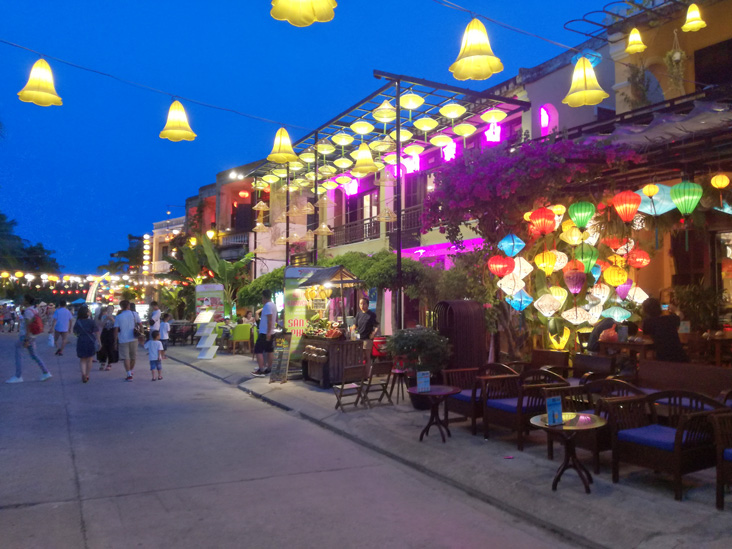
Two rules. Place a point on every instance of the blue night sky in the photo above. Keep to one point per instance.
(80, 177)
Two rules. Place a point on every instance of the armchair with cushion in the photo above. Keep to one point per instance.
(722, 424)
(678, 440)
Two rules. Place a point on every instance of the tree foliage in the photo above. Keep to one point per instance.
(251, 294)
(18, 253)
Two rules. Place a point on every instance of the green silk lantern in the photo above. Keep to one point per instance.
(685, 196)
(587, 255)
(581, 213)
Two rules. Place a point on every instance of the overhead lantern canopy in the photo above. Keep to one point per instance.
(476, 60)
(585, 89)
(303, 13)
(282, 150)
(384, 112)
(635, 42)
(177, 127)
(694, 22)
(410, 101)
(40, 89)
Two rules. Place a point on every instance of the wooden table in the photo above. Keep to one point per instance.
(726, 337)
(573, 423)
(641, 349)
(437, 395)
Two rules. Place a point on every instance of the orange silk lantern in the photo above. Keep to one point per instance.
(638, 258)
(626, 205)
(614, 242)
(500, 265)
(574, 265)
(543, 220)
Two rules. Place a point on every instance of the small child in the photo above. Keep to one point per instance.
(155, 353)
(165, 332)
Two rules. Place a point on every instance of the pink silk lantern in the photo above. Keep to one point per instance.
(574, 281)
(624, 288)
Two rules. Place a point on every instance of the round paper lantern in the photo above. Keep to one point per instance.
(587, 255)
(650, 190)
(520, 300)
(511, 284)
(500, 265)
(547, 305)
(614, 242)
(626, 205)
(523, 268)
(574, 265)
(573, 236)
(574, 281)
(545, 261)
(617, 260)
(581, 213)
(720, 181)
(559, 293)
(576, 316)
(561, 261)
(618, 314)
(511, 245)
(615, 276)
(600, 291)
(622, 290)
(543, 220)
(686, 196)
(638, 258)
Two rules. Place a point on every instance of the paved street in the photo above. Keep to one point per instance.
(191, 461)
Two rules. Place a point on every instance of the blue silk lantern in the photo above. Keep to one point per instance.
(519, 300)
(618, 314)
(595, 272)
(511, 245)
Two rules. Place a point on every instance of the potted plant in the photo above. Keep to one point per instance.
(421, 349)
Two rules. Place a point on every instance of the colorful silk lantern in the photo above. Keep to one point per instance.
(594, 313)
(600, 291)
(511, 284)
(560, 342)
(614, 242)
(618, 314)
(615, 276)
(574, 265)
(617, 260)
(637, 295)
(581, 213)
(638, 258)
(561, 261)
(720, 181)
(587, 255)
(574, 281)
(622, 290)
(500, 265)
(520, 300)
(572, 236)
(40, 88)
(635, 42)
(545, 261)
(595, 272)
(522, 268)
(585, 89)
(511, 245)
(547, 305)
(303, 13)
(543, 220)
(686, 196)
(576, 316)
(177, 127)
(476, 60)
(694, 22)
(559, 293)
(626, 205)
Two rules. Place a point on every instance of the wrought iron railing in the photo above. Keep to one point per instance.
(411, 219)
(356, 231)
(238, 239)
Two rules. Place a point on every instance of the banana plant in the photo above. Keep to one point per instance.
(225, 272)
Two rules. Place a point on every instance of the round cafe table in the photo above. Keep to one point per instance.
(565, 433)
(437, 395)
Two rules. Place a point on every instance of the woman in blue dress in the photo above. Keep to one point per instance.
(87, 334)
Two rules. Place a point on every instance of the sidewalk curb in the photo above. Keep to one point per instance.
(567, 535)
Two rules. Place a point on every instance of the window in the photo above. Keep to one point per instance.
(713, 64)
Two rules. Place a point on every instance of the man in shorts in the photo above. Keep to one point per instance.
(63, 322)
(265, 340)
(127, 342)
(366, 326)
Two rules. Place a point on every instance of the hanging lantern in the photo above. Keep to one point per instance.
(561, 343)
(303, 13)
(576, 316)
(617, 260)
(614, 242)
(500, 265)
(638, 258)
(650, 190)
(560, 294)
(545, 261)
(476, 60)
(626, 205)
(581, 213)
(361, 127)
(573, 236)
(622, 290)
(464, 130)
(410, 101)
(343, 163)
(561, 261)
(574, 281)
(594, 313)
(364, 162)
(522, 268)
(520, 300)
(384, 112)
(600, 291)
(244, 194)
(686, 196)
(452, 110)
(615, 276)
(441, 140)
(40, 88)
(308, 156)
(342, 139)
(585, 89)
(694, 22)
(511, 245)
(543, 220)
(177, 127)
(282, 150)
(637, 295)
(635, 42)
(404, 135)
(324, 146)
(425, 124)
(323, 230)
(511, 284)
(618, 314)
(547, 305)
(493, 116)
(587, 255)
(720, 181)
(574, 265)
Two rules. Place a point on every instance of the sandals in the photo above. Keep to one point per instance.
(160, 377)
(108, 368)
(84, 379)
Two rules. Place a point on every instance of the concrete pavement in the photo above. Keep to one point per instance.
(190, 461)
(638, 512)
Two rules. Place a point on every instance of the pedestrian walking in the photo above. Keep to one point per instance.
(31, 325)
(63, 321)
(165, 330)
(125, 324)
(264, 347)
(155, 353)
(154, 317)
(109, 354)
(87, 334)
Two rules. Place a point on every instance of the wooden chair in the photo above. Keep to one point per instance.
(679, 443)
(242, 333)
(722, 425)
(377, 382)
(519, 366)
(351, 385)
(590, 367)
(512, 400)
(558, 360)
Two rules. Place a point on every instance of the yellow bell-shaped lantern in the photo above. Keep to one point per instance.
(364, 162)
(493, 116)
(177, 127)
(303, 13)
(476, 60)
(40, 89)
(635, 42)
(385, 112)
(282, 150)
(585, 89)
(694, 22)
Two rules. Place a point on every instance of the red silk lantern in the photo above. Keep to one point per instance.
(602, 263)
(626, 205)
(614, 242)
(500, 265)
(574, 265)
(727, 265)
(638, 258)
(543, 220)
(244, 194)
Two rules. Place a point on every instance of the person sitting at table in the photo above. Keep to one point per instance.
(593, 344)
(664, 331)
(249, 318)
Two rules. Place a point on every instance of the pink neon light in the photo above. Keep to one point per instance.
(449, 151)
(351, 188)
(493, 133)
(543, 117)
(411, 163)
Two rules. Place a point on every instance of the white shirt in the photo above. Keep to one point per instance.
(268, 309)
(62, 316)
(125, 321)
(154, 348)
(164, 330)
(155, 317)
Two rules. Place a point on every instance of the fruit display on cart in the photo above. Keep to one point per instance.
(322, 327)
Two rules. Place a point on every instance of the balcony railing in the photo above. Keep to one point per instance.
(239, 239)
(411, 220)
(233, 254)
(356, 231)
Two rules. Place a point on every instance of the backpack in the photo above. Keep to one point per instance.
(36, 325)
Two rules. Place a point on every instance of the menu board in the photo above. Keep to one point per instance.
(281, 358)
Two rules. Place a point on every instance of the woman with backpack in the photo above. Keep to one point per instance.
(87, 341)
(31, 325)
